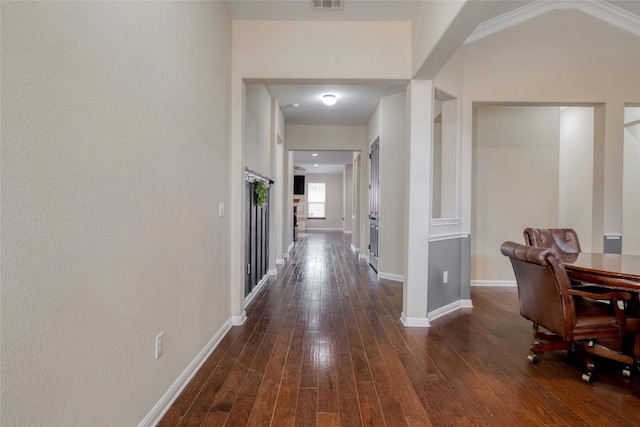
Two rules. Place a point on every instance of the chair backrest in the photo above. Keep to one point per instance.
(543, 286)
(562, 240)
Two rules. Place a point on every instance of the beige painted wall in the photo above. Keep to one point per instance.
(388, 123)
(334, 202)
(430, 23)
(515, 181)
(298, 50)
(257, 129)
(114, 157)
(575, 174)
(631, 190)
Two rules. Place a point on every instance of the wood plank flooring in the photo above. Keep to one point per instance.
(323, 346)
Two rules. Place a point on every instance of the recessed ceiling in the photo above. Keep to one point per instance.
(329, 162)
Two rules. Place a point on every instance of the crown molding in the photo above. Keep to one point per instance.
(597, 8)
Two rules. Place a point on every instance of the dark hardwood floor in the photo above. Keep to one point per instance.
(323, 346)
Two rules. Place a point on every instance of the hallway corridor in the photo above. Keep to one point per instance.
(323, 345)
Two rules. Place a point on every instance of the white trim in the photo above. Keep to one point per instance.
(364, 257)
(272, 272)
(466, 303)
(390, 276)
(612, 15)
(286, 255)
(438, 222)
(239, 320)
(354, 249)
(502, 283)
(322, 229)
(596, 8)
(280, 261)
(449, 308)
(254, 291)
(346, 231)
(165, 402)
(414, 322)
(613, 236)
(450, 236)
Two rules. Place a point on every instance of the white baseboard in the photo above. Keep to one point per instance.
(504, 283)
(254, 292)
(364, 257)
(280, 261)
(272, 272)
(355, 250)
(390, 276)
(239, 320)
(322, 229)
(163, 405)
(450, 308)
(346, 231)
(414, 322)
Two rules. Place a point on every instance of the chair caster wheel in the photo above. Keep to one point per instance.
(626, 372)
(532, 358)
(592, 344)
(588, 378)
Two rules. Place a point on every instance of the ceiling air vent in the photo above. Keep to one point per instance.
(327, 4)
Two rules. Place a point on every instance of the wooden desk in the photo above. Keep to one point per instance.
(614, 270)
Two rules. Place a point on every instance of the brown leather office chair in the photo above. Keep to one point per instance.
(574, 323)
(562, 240)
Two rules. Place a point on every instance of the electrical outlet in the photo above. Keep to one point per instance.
(445, 277)
(159, 344)
(221, 209)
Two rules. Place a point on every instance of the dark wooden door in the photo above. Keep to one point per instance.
(374, 204)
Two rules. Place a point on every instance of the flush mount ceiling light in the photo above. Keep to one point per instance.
(329, 99)
(314, 154)
(316, 165)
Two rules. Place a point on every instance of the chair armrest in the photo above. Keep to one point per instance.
(614, 297)
(611, 295)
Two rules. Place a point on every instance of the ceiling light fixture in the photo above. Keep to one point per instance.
(314, 154)
(329, 99)
(295, 105)
(316, 165)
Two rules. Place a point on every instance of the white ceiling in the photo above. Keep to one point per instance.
(300, 10)
(329, 162)
(354, 106)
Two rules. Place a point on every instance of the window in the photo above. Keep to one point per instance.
(317, 198)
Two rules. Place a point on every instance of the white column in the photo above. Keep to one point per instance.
(418, 212)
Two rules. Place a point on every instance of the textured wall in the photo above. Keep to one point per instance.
(114, 158)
